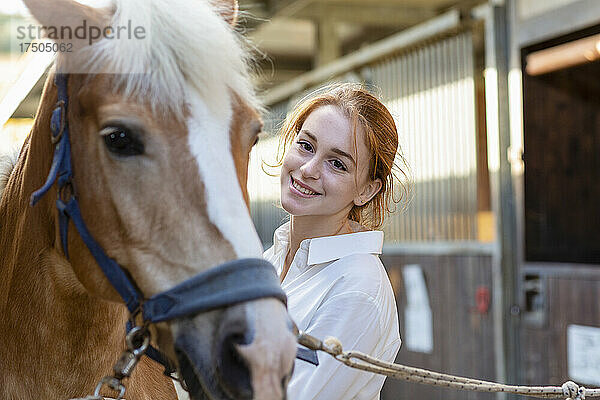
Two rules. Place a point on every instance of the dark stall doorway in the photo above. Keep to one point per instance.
(561, 115)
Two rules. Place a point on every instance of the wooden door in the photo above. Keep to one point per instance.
(560, 284)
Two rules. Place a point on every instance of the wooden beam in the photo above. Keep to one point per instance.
(362, 12)
(375, 51)
(289, 8)
(378, 15)
(329, 46)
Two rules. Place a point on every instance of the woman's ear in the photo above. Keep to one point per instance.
(371, 188)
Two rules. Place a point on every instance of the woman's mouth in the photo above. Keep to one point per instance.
(301, 189)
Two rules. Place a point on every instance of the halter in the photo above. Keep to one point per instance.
(226, 284)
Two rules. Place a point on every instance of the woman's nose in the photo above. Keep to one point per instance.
(310, 169)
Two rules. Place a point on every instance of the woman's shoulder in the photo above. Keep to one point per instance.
(363, 287)
(363, 273)
(359, 263)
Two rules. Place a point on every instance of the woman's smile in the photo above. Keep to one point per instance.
(301, 189)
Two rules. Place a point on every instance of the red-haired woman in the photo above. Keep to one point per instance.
(337, 185)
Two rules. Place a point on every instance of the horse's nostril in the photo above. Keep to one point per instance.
(232, 369)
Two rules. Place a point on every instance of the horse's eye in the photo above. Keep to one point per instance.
(121, 141)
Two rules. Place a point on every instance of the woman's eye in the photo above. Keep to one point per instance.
(121, 141)
(305, 145)
(337, 164)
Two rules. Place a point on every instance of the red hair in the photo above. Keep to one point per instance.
(366, 114)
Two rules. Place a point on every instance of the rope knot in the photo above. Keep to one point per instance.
(573, 391)
(332, 345)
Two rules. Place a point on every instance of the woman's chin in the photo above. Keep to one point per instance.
(289, 207)
(292, 206)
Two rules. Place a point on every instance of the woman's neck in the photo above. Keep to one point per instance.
(309, 227)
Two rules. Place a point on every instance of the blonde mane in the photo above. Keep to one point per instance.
(187, 46)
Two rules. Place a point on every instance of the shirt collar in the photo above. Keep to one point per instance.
(281, 238)
(330, 248)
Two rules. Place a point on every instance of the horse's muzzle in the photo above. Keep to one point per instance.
(245, 357)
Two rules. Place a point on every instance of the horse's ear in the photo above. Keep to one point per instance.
(60, 14)
(228, 9)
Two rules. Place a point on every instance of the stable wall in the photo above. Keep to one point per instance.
(462, 336)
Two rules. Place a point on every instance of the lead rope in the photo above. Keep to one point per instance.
(355, 359)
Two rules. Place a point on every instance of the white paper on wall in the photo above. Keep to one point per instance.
(583, 354)
(418, 326)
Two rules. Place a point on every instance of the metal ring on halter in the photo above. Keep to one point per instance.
(138, 341)
(137, 333)
(113, 383)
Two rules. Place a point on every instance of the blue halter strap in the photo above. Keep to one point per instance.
(227, 284)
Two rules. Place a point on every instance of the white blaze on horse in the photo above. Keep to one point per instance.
(160, 131)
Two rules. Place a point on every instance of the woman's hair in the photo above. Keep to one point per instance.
(367, 114)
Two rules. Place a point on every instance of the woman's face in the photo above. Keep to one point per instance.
(321, 169)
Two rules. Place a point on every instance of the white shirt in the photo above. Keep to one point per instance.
(337, 286)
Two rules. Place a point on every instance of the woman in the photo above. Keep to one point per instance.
(337, 181)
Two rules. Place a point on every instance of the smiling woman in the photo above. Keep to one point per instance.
(337, 182)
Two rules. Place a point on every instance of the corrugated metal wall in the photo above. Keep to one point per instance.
(431, 94)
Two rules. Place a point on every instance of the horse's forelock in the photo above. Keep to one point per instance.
(188, 46)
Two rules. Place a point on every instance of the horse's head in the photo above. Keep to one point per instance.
(161, 129)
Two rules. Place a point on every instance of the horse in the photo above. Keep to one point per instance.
(160, 132)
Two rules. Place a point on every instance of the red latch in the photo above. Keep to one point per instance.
(482, 299)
